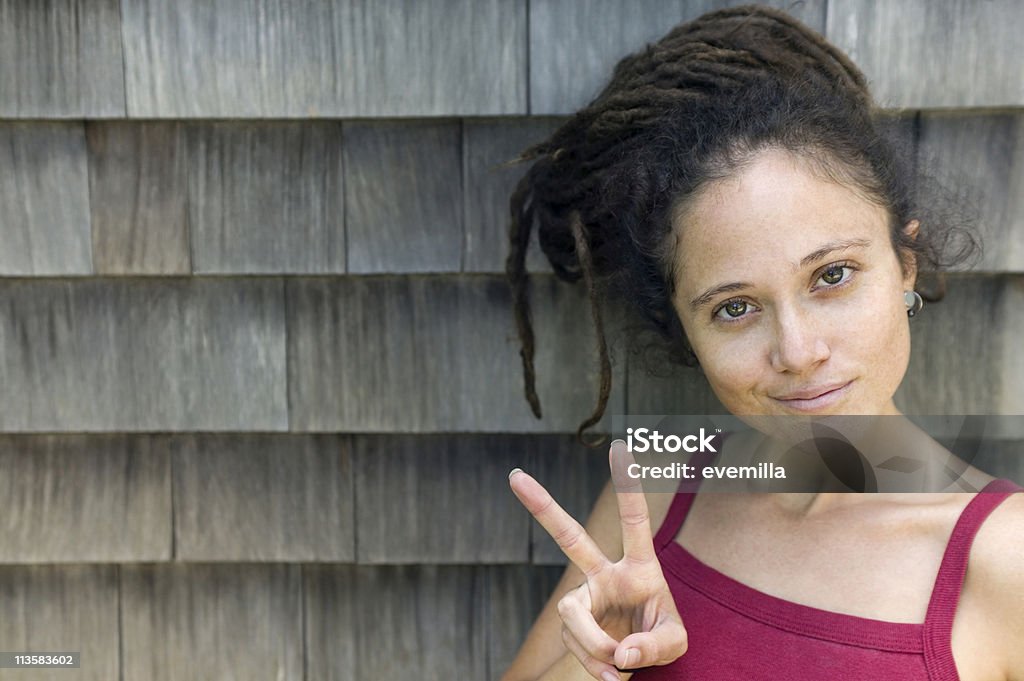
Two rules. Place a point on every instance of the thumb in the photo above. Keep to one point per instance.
(664, 643)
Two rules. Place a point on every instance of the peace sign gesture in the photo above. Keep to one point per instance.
(623, 616)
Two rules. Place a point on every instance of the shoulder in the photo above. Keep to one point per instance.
(995, 580)
(998, 549)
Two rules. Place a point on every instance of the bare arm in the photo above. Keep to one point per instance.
(995, 581)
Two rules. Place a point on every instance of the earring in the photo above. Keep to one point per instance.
(913, 301)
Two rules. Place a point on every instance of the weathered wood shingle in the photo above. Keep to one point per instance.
(210, 621)
(44, 199)
(139, 198)
(515, 596)
(62, 608)
(436, 354)
(275, 58)
(965, 351)
(396, 622)
(403, 192)
(441, 498)
(266, 197)
(263, 497)
(61, 59)
(979, 157)
(926, 54)
(84, 498)
(131, 355)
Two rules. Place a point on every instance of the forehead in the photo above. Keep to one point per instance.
(765, 218)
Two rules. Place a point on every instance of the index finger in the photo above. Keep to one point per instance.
(637, 542)
(570, 536)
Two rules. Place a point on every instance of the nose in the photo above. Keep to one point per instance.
(799, 344)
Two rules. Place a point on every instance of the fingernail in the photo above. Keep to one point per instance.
(619, 439)
(513, 472)
(609, 675)
(632, 657)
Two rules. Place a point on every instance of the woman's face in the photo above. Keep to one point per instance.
(791, 292)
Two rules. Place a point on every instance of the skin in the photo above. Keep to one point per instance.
(836, 318)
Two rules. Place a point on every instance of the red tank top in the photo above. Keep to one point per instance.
(737, 632)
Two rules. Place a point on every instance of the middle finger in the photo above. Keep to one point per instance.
(637, 542)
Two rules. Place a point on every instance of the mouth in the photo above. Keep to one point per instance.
(814, 399)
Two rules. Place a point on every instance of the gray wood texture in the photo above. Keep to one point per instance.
(575, 476)
(263, 497)
(403, 192)
(487, 145)
(437, 354)
(516, 594)
(44, 199)
(395, 622)
(79, 498)
(574, 46)
(209, 621)
(266, 197)
(440, 498)
(275, 58)
(926, 54)
(61, 608)
(138, 198)
(979, 157)
(965, 356)
(61, 59)
(130, 355)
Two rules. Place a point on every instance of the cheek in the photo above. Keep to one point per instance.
(868, 321)
(873, 335)
(890, 345)
(730, 365)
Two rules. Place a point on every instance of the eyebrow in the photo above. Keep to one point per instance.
(812, 257)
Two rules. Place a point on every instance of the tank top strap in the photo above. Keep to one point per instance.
(950, 579)
(682, 500)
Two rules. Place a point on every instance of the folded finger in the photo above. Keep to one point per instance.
(570, 536)
(577, 618)
(596, 668)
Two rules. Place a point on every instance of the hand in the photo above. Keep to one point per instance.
(623, 615)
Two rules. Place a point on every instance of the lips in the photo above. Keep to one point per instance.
(816, 397)
(811, 393)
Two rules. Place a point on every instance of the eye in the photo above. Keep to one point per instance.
(835, 274)
(732, 310)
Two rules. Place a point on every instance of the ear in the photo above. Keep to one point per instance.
(909, 260)
(911, 228)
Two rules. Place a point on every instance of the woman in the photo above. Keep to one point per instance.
(734, 183)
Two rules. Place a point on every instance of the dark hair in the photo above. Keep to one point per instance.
(696, 106)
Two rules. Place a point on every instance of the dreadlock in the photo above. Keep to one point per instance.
(690, 108)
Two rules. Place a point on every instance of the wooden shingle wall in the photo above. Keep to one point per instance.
(260, 379)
